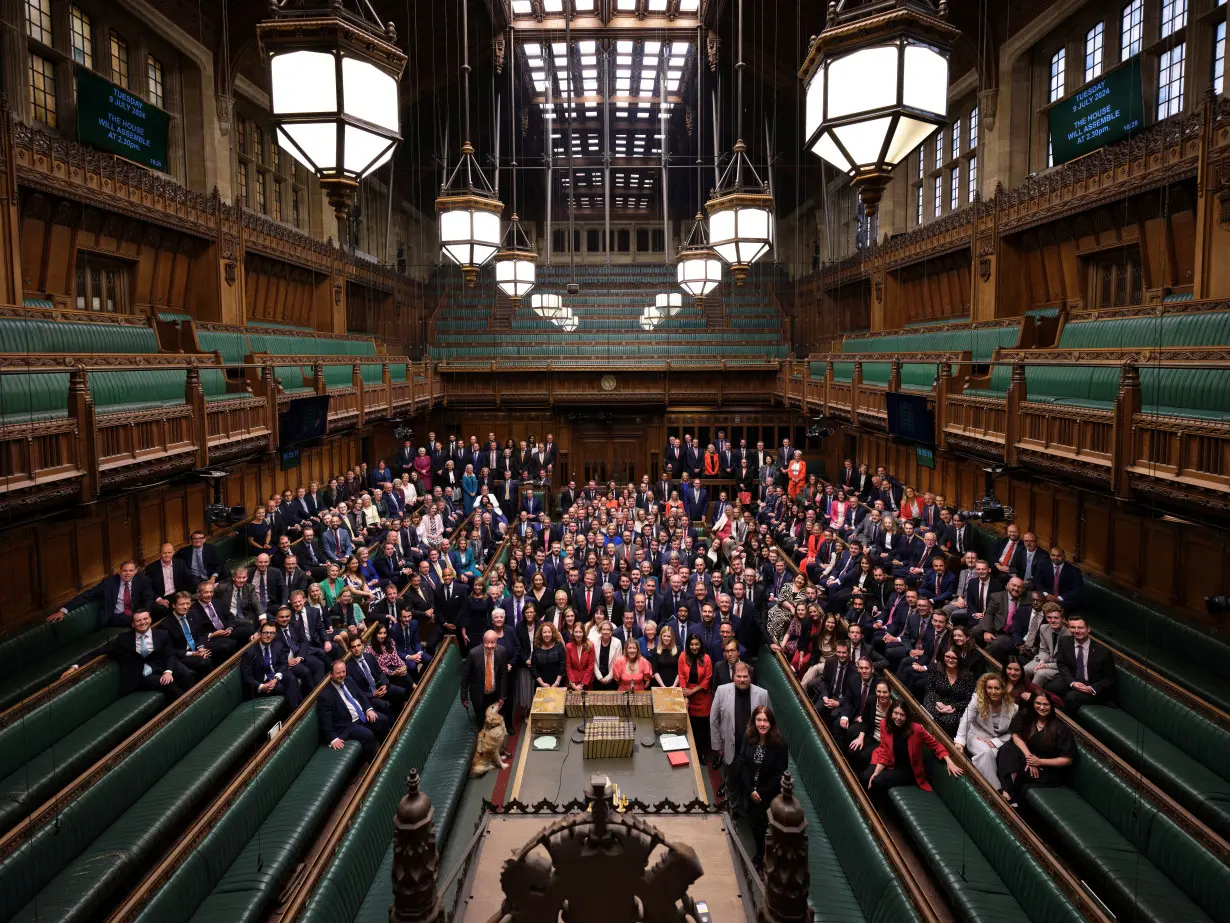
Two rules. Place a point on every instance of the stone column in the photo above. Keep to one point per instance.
(416, 860)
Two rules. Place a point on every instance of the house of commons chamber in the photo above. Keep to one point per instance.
(460, 458)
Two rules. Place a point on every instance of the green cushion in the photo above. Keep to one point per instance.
(77, 745)
(870, 877)
(34, 335)
(444, 778)
(1183, 654)
(1170, 330)
(1161, 843)
(47, 657)
(345, 883)
(148, 817)
(1115, 869)
(970, 883)
(1198, 788)
(33, 398)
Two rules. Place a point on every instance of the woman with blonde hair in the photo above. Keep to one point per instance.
(986, 725)
(666, 658)
(632, 671)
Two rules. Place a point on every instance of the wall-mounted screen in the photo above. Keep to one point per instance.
(111, 118)
(1103, 112)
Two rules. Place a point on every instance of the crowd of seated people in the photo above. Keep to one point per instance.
(987, 646)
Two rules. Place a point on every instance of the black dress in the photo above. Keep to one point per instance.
(956, 694)
(1056, 741)
(476, 618)
(547, 664)
(760, 770)
(666, 665)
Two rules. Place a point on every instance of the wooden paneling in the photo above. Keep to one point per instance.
(279, 292)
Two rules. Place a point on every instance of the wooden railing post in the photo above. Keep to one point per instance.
(81, 409)
(270, 388)
(194, 397)
(894, 376)
(856, 385)
(1123, 448)
(828, 384)
(1012, 411)
(356, 379)
(318, 378)
(942, 384)
(387, 380)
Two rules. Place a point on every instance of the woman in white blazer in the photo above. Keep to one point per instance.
(985, 725)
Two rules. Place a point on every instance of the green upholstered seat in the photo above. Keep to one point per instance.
(34, 658)
(1183, 654)
(1134, 857)
(57, 740)
(72, 869)
(444, 778)
(35, 335)
(340, 891)
(872, 881)
(1197, 787)
(969, 880)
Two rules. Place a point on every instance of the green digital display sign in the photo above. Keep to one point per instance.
(1101, 113)
(111, 118)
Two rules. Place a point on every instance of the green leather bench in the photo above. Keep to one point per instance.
(985, 870)
(37, 656)
(342, 888)
(858, 881)
(1185, 754)
(43, 750)
(238, 868)
(445, 774)
(71, 866)
(1137, 860)
(1185, 655)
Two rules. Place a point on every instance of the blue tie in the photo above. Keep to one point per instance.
(354, 704)
(183, 623)
(268, 662)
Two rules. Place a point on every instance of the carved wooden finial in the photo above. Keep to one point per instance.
(787, 878)
(416, 860)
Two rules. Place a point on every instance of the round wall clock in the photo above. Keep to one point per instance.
(608, 382)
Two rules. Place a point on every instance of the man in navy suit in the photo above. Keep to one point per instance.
(936, 638)
(117, 596)
(940, 586)
(530, 503)
(203, 560)
(368, 676)
(264, 671)
(406, 639)
(697, 502)
(307, 667)
(146, 659)
(902, 626)
(1061, 582)
(345, 713)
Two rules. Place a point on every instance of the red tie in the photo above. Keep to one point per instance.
(589, 599)
(1008, 553)
(1057, 570)
(128, 599)
(1011, 616)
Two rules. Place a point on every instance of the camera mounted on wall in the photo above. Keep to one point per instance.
(989, 509)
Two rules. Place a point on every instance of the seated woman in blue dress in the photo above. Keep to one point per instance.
(259, 533)
(464, 558)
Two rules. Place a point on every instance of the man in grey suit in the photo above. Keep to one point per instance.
(733, 705)
(1044, 666)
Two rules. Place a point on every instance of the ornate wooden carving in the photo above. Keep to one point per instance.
(601, 845)
(786, 874)
(416, 860)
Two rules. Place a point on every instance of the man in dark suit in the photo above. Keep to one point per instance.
(311, 553)
(309, 669)
(117, 597)
(588, 597)
(345, 713)
(830, 682)
(696, 504)
(1061, 582)
(146, 659)
(568, 496)
(221, 634)
(406, 639)
(484, 677)
(203, 560)
(962, 536)
(268, 585)
(263, 668)
(939, 586)
(936, 638)
(672, 457)
(188, 637)
(235, 605)
(530, 503)
(1030, 560)
(405, 458)
(167, 576)
(293, 578)
(314, 627)
(1086, 669)
(367, 675)
(847, 478)
(1003, 556)
(1005, 621)
(450, 601)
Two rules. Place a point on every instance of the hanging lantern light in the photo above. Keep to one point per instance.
(669, 304)
(333, 80)
(566, 318)
(741, 207)
(547, 305)
(468, 208)
(697, 265)
(876, 86)
(516, 263)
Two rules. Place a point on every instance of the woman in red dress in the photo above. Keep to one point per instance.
(695, 672)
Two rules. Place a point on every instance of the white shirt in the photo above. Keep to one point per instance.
(145, 642)
(344, 695)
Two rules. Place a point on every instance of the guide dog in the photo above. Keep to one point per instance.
(491, 739)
